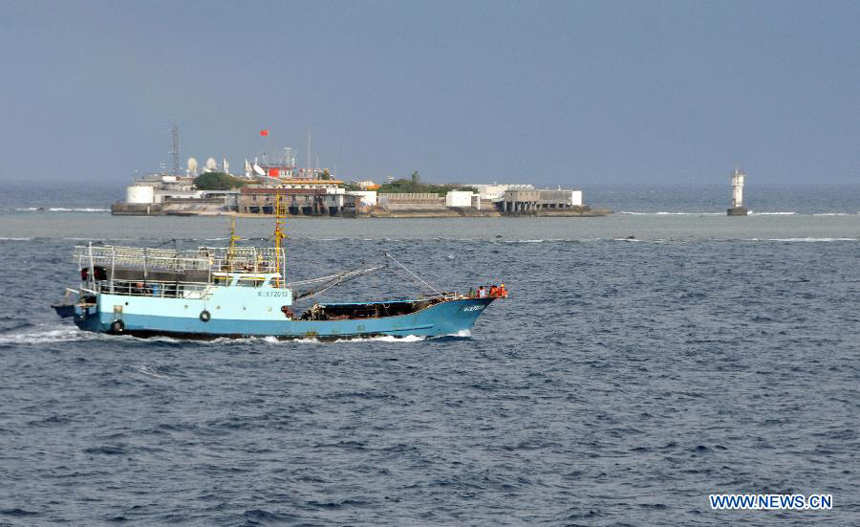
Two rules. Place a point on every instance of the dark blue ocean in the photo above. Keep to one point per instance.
(623, 381)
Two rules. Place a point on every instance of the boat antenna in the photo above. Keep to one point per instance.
(414, 275)
(279, 235)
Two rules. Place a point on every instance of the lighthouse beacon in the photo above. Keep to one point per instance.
(738, 208)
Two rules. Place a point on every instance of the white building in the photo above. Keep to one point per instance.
(561, 198)
(368, 198)
(458, 198)
(154, 188)
(140, 194)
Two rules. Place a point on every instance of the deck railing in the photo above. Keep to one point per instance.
(211, 259)
(155, 288)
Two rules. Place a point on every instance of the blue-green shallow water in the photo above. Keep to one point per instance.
(621, 383)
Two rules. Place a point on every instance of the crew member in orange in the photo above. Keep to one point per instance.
(494, 291)
(502, 291)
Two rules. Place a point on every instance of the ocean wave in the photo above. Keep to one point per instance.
(73, 334)
(804, 239)
(835, 214)
(46, 336)
(81, 209)
(14, 239)
(271, 339)
(667, 213)
(151, 372)
(61, 209)
(386, 338)
(462, 334)
(664, 213)
(314, 340)
(753, 213)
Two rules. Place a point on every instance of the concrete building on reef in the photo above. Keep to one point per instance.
(277, 179)
(156, 188)
(297, 198)
(171, 194)
(542, 201)
(316, 192)
(303, 191)
(525, 200)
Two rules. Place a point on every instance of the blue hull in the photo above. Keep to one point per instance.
(445, 318)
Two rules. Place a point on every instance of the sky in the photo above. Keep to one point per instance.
(551, 93)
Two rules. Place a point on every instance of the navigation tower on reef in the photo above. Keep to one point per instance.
(737, 208)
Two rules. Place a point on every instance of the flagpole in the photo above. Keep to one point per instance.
(265, 133)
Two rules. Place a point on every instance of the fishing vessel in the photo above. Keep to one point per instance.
(240, 291)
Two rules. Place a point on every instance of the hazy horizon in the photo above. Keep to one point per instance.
(550, 93)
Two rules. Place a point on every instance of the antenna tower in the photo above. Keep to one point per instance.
(308, 175)
(174, 148)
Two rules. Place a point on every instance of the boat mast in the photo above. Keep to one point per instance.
(92, 273)
(279, 235)
(233, 240)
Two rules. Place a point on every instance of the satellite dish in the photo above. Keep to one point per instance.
(211, 164)
(226, 166)
(192, 166)
(259, 170)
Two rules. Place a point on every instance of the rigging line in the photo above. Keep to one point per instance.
(414, 275)
(341, 276)
(320, 279)
(314, 280)
(341, 279)
(333, 276)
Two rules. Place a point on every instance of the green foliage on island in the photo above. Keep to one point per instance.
(217, 181)
(325, 175)
(414, 185)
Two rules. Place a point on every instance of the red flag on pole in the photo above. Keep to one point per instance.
(264, 133)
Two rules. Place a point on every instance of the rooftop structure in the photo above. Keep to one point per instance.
(496, 191)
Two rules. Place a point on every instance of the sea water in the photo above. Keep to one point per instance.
(642, 362)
